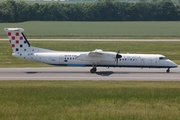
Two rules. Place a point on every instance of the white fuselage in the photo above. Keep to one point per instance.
(105, 60)
(97, 58)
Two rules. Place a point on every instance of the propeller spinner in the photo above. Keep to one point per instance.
(118, 56)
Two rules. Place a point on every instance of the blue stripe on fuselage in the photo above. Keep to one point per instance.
(90, 65)
(80, 65)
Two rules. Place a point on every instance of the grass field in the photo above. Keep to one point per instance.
(169, 49)
(40, 29)
(89, 100)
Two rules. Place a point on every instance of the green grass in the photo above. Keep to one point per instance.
(40, 29)
(169, 49)
(92, 100)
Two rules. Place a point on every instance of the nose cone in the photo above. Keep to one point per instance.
(172, 64)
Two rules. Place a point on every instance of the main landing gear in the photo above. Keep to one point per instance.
(93, 70)
(168, 70)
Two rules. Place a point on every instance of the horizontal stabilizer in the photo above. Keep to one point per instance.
(14, 29)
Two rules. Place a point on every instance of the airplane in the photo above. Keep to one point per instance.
(97, 58)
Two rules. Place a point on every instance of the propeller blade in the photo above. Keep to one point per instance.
(118, 56)
(118, 51)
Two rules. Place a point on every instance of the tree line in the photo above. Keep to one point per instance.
(19, 11)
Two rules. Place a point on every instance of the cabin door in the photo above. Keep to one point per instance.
(141, 61)
(61, 60)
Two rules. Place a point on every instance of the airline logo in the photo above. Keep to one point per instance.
(17, 41)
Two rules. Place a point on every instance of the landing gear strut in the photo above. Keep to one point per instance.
(168, 70)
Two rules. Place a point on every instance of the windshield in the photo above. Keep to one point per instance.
(162, 58)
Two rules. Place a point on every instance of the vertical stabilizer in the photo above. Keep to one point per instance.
(19, 43)
(17, 40)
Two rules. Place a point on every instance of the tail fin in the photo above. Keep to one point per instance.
(19, 43)
(18, 40)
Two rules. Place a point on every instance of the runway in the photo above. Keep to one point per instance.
(82, 73)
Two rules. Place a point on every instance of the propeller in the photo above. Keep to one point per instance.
(118, 56)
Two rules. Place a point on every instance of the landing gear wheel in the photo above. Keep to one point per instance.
(168, 70)
(93, 70)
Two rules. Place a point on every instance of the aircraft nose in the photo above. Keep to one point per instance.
(176, 65)
(173, 65)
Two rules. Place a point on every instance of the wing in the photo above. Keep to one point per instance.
(95, 53)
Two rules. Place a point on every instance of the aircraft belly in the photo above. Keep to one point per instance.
(129, 63)
(51, 60)
(48, 59)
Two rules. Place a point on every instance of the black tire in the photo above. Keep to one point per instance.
(93, 70)
(167, 71)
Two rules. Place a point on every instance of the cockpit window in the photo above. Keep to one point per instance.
(162, 58)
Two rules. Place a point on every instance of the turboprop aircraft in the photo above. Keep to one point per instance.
(97, 58)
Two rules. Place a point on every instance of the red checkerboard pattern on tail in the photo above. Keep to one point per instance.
(20, 44)
(17, 40)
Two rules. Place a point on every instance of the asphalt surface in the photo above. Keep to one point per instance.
(82, 73)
